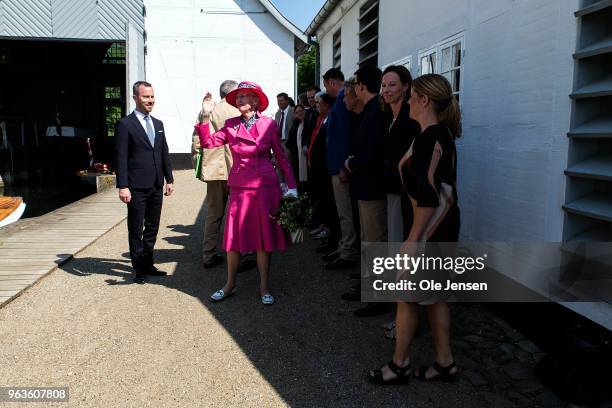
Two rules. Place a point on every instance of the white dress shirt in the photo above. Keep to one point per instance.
(141, 118)
(284, 129)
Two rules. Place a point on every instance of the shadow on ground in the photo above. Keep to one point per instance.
(308, 346)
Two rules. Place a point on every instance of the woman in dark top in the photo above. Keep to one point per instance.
(428, 172)
(400, 131)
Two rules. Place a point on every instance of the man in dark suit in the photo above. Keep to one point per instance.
(284, 116)
(142, 164)
(366, 167)
(310, 118)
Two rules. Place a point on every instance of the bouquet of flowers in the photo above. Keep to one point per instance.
(293, 215)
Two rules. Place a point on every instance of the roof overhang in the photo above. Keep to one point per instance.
(321, 16)
(301, 41)
(283, 20)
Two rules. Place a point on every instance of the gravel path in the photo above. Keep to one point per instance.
(163, 344)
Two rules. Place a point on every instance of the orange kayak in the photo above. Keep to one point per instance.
(8, 205)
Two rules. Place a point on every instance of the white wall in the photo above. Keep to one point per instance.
(517, 76)
(194, 45)
(345, 16)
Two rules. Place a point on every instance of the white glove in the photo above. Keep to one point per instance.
(292, 192)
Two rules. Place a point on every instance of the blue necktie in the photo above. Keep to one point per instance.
(150, 131)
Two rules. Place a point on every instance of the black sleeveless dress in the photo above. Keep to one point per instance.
(415, 171)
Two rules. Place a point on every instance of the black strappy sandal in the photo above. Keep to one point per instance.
(402, 375)
(444, 373)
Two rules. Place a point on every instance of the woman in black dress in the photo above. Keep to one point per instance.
(400, 131)
(428, 172)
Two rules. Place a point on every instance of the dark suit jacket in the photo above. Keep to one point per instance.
(366, 147)
(318, 157)
(310, 122)
(137, 163)
(396, 141)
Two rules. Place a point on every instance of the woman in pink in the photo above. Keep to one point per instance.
(254, 186)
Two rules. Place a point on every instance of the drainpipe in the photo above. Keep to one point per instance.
(317, 63)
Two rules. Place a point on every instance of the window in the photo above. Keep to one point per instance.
(450, 65)
(112, 93)
(115, 54)
(427, 62)
(445, 58)
(368, 33)
(337, 49)
(113, 108)
(406, 62)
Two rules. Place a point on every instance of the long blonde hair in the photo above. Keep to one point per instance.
(439, 91)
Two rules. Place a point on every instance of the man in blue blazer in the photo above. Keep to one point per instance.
(142, 164)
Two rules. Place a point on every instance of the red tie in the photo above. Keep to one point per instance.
(313, 137)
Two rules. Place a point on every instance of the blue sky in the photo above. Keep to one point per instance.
(300, 12)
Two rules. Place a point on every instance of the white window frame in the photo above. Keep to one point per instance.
(406, 61)
(437, 50)
(425, 53)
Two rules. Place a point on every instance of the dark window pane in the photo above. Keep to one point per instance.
(115, 54)
(456, 80)
(111, 117)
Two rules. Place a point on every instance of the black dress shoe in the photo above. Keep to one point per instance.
(340, 264)
(351, 296)
(324, 248)
(214, 261)
(151, 270)
(373, 309)
(332, 256)
(140, 279)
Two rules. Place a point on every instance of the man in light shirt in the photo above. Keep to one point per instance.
(215, 167)
(142, 164)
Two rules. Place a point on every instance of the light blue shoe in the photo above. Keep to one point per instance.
(220, 295)
(267, 299)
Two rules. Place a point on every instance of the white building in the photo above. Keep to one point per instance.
(194, 45)
(532, 77)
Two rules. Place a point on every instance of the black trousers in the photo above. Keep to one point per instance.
(143, 210)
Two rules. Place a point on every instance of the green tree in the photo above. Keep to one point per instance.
(306, 70)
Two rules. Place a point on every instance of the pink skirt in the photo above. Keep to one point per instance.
(248, 226)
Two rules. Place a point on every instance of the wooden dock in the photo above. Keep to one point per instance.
(32, 248)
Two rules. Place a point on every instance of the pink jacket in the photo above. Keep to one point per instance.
(252, 166)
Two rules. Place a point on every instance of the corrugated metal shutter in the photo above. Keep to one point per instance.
(30, 18)
(75, 19)
(113, 14)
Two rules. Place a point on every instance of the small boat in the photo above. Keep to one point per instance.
(11, 210)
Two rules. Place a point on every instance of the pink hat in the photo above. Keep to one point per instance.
(251, 86)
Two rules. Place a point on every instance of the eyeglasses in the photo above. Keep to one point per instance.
(245, 95)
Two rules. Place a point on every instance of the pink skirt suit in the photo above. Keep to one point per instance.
(254, 186)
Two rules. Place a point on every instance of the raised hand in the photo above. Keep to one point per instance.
(207, 104)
